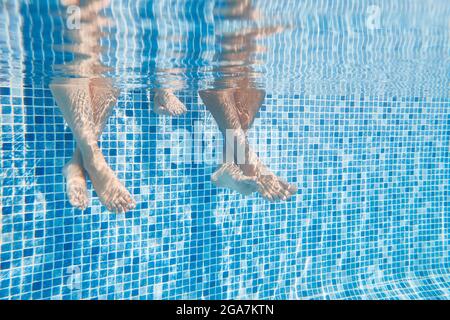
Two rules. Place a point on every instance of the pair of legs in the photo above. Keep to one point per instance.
(234, 111)
(86, 104)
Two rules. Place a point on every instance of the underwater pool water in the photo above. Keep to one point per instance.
(356, 115)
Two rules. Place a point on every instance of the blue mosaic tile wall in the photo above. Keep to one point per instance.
(367, 147)
(370, 219)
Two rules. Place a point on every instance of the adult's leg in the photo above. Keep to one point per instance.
(220, 102)
(103, 98)
(248, 101)
(74, 99)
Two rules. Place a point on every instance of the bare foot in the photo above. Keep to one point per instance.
(76, 187)
(111, 192)
(274, 188)
(230, 176)
(167, 104)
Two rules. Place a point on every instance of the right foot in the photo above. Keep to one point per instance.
(167, 104)
(76, 185)
(111, 192)
(230, 176)
(274, 188)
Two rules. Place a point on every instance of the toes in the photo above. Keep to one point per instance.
(266, 193)
(288, 190)
(181, 109)
(177, 110)
(78, 197)
(110, 202)
(123, 205)
(111, 206)
(83, 204)
(161, 110)
(285, 194)
(116, 207)
(131, 203)
(168, 104)
(174, 110)
(75, 201)
(274, 189)
(269, 197)
(127, 202)
(122, 202)
(291, 189)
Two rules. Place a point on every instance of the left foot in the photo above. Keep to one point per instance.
(167, 104)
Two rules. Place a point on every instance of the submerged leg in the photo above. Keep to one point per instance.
(248, 102)
(73, 98)
(73, 170)
(220, 104)
(103, 98)
(167, 104)
(238, 116)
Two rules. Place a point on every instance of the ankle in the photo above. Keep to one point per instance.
(248, 170)
(90, 151)
(72, 168)
(93, 160)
